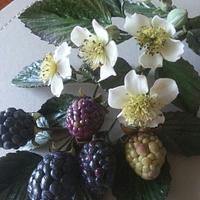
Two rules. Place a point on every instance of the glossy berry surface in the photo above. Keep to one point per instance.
(55, 178)
(97, 166)
(16, 128)
(84, 118)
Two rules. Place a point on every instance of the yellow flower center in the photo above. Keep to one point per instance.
(139, 110)
(93, 52)
(48, 68)
(152, 39)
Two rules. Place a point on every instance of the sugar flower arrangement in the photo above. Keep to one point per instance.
(84, 163)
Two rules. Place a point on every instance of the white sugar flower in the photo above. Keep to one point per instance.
(155, 37)
(96, 49)
(141, 107)
(56, 67)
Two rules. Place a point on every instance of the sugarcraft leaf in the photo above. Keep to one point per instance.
(15, 171)
(188, 81)
(53, 20)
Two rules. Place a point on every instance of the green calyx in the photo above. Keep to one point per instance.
(166, 5)
(178, 17)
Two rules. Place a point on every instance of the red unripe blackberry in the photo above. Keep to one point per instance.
(84, 118)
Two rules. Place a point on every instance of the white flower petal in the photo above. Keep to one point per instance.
(64, 69)
(134, 23)
(79, 34)
(135, 84)
(163, 23)
(160, 119)
(112, 52)
(117, 97)
(61, 52)
(172, 50)
(149, 61)
(106, 71)
(56, 85)
(100, 31)
(164, 91)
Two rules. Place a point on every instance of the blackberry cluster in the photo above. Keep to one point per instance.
(84, 118)
(55, 178)
(16, 128)
(97, 166)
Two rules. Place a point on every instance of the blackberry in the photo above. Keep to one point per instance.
(16, 128)
(55, 178)
(97, 166)
(84, 118)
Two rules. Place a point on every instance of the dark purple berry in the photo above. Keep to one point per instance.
(50, 180)
(93, 158)
(84, 118)
(16, 128)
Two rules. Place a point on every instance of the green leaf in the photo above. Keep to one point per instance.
(193, 40)
(180, 133)
(193, 23)
(55, 109)
(188, 82)
(53, 20)
(29, 77)
(62, 141)
(147, 9)
(128, 186)
(192, 34)
(121, 68)
(114, 7)
(15, 171)
(42, 138)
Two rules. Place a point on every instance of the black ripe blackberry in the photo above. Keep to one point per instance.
(97, 166)
(84, 118)
(16, 128)
(55, 178)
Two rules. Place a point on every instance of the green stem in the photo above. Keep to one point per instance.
(77, 72)
(181, 35)
(95, 91)
(112, 125)
(52, 129)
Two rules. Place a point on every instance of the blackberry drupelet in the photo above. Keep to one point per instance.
(16, 128)
(84, 118)
(97, 166)
(55, 178)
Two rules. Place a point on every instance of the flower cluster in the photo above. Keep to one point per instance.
(154, 36)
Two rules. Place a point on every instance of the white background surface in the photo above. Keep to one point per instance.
(18, 48)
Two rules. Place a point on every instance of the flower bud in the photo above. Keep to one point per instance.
(113, 32)
(146, 155)
(178, 17)
(166, 5)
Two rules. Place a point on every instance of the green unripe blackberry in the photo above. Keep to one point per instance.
(146, 155)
